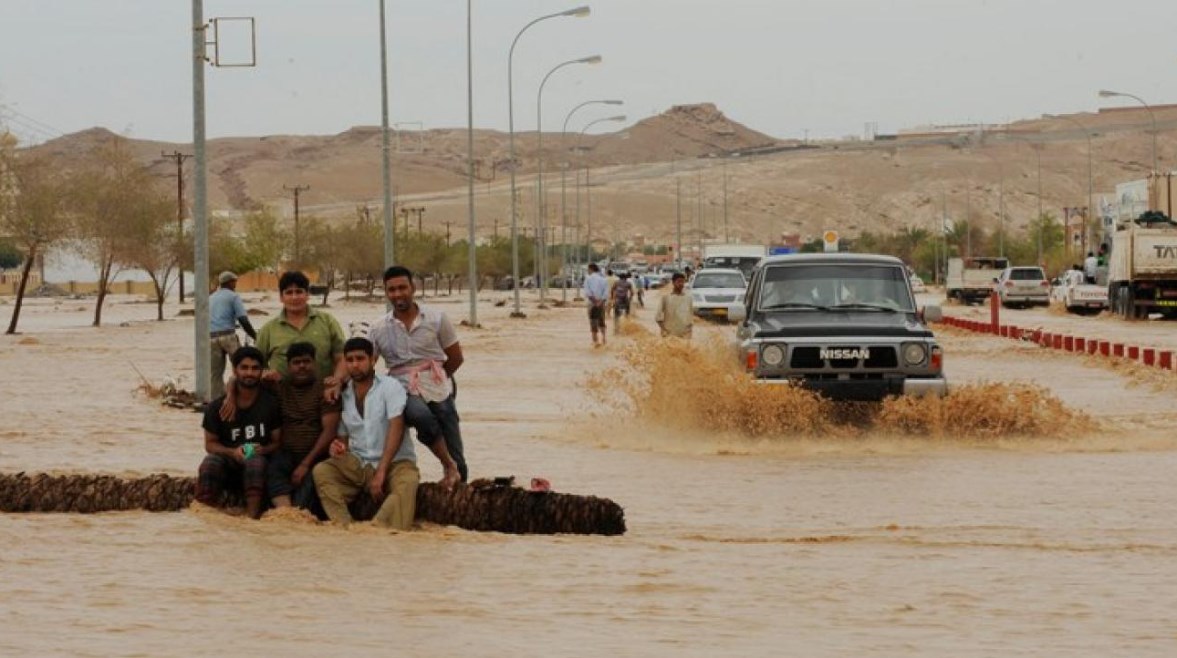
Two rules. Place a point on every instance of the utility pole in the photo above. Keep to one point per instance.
(179, 158)
(726, 237)
(447, 233)
(1038, 153)
(588, 211)
(678, 218)
(297, 190)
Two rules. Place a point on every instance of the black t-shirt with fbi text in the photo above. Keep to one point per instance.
(252, 425)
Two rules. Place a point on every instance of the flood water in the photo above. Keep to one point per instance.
(871, 543)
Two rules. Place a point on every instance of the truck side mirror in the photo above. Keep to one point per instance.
(932, 313)
(737, 313)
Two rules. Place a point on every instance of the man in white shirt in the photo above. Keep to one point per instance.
(370, 451)
(1090, 267)
(422, 352)
(596, 292)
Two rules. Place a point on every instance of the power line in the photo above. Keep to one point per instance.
(32, 123)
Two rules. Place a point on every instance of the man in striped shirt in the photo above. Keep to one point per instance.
(309, 424)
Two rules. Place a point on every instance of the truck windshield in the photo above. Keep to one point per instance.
(717, 280)
(851, 287)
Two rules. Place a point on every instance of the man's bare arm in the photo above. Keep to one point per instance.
(453, 359)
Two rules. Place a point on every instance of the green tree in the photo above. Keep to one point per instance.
(10, 255)
(105, 193)
(148, 222)
(33, 212)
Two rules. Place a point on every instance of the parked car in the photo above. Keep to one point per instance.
(845, 325)
(917, 284)
(1023, 286)
(714, 290)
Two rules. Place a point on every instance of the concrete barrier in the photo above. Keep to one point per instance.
(1133, 352)
(1080, 344)
(1069, 343)
(1092, 346)
(1118, 350)
(1148, 356)
(1165, 360)
(1105, 348)
(1057, 341)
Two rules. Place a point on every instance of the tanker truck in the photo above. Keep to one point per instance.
(1142, 267)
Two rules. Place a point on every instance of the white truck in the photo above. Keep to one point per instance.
(1081, 297)
(970, 280)
(743, 257)
(1142, 270)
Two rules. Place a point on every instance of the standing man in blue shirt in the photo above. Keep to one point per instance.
(596, 291)
(225, 310)
(371, 451)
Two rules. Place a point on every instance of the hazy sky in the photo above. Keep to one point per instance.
(779, 66)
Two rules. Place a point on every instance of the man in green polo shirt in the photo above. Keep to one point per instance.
(296, 323)
(299, 323)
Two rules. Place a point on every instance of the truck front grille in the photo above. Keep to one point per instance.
(809, 358)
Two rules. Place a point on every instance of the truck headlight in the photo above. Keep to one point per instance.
(773, 355)
(914, 354)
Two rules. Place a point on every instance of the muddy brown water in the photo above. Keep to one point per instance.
(875, 542)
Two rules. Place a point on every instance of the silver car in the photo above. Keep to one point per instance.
(1023, 286)
(714, 290)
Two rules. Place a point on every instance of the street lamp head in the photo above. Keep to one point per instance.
(594, 59)
(1104, 93)
(613, 102)
(578, 12)
(619, 117)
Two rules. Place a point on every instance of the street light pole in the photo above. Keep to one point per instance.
(577, 12)
(1104, 93)
(385, 148)
(200, 274)
(471, 248)
(540, 205)
(563, 195)
(588, 199)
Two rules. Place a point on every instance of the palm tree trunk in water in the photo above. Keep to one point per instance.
(480, 506)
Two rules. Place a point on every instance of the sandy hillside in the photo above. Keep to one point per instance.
(773, 186)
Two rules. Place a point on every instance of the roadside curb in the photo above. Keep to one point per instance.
(1083, 345)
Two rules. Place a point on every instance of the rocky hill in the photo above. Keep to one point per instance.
(681, 162)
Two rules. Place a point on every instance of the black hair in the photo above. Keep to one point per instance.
(248, 352)
(301, 348)
(361, 344)
(609, 272)
(593, 267)
(678, 275)
(397, 271)
(293, 279)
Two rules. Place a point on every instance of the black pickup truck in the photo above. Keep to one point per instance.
(845, 325)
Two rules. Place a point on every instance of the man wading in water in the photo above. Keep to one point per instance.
(596, 291)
